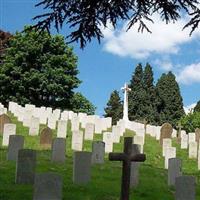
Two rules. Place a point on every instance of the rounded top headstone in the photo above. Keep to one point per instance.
(165, 131)
(4, 119)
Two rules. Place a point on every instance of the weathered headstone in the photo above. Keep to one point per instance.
(127, 158)
(185, 188)
(16, 142)
(4, 119)
(98, 152)
(166, 131)
(197, 133)
(198, 159)
(89, 131)
(9, 129)
(62, 129)
(134, 177)
(58, 150)
(25, 168)
(46, 137)
(47, 186)
(193, 150)
(82, 167)
(174, 170)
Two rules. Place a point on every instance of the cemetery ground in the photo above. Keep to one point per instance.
(105, 182)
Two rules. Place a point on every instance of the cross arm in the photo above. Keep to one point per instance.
(138, 158)
(117, 156)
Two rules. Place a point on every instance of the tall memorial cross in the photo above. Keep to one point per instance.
(126, 157)
(125, 89)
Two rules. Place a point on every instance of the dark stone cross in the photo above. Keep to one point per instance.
(127, 157)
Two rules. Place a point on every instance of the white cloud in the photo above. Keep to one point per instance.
(189, 74)
(165, 39)
(189, 108)
(164, 63)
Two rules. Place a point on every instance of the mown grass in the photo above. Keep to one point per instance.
(106, 178)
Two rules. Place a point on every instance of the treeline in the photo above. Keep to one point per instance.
(155, 103)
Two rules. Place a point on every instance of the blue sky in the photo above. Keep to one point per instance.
(108, 66)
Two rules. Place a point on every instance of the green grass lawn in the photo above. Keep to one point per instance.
(106, 178)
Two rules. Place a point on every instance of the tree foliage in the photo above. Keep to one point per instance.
(143, 98)
(191, 121)
(39, 69)
(80, 104)
(197, 107)
(137, 95)
(171, 104)
(114, 107)
(85, 18)
(4, 39)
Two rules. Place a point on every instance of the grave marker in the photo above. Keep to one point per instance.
(48, 186)
(185, 188)
(4, 119)
(9, 129)
(166, 131)
(46, 137)
(126, 157)
(16, 142)
(82, 167)
(98, 152)
(62, 129)
(174, 170)
(58, 150)
(25, 168)
(89, 131)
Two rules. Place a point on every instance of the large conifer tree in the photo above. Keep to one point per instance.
(197, 107)
(114, 107)
(151, 100)
(171, 103)
(137, 95)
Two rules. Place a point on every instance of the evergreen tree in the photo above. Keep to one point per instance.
(40, 69)
(4, 39)
(137, 95)
(114, 107)
(171, 103)
(197, 107)
(151, 100)
(81, 104)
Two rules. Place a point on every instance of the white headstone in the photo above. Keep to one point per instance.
(184, 141)
(34, 126)
(89, 131)
(169, 153)
(140, 141)
(62, 129)
(51, 121)
(116, 134)
(77, 140)
(167, 142)
(108, 140)
(192, 137)
(193, 150)
(9, 129)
